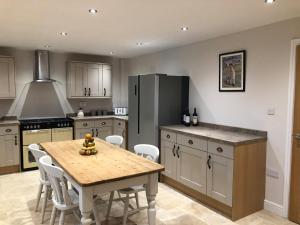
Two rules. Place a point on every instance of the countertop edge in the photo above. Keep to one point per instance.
(254, 140)
(99, 118)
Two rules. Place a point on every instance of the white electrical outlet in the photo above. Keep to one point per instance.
(82, 104)
(272, 173)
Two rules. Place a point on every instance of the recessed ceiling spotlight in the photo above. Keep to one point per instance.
(184, 28)
(93, 11)
(269, 1)
(139, 43)
(47, 46)
(63, 33)
(111, 53)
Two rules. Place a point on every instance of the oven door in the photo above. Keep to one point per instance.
(62, 134)
(31, 137)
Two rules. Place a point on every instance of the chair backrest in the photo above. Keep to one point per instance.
(57, 180)
(114, 139)
(37, 153)
(150, 152)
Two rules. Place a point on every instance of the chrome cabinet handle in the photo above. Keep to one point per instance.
(84, 124)
(84, 91)
(8, 130)
(104, 91)
(190, 142)
(173, 150)
(177, 152)
(103, 123)
(97, 133)
(219, 149)
(16, 140)
(93, 134)
(168, 136)
(208, 162)
(89, 91)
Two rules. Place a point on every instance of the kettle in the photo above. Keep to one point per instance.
(80, 113)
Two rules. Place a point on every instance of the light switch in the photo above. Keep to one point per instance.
(271, 111)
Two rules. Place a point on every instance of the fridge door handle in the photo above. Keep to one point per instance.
(134, 90)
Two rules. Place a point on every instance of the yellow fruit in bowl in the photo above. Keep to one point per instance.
(87, 152)
(82, 152)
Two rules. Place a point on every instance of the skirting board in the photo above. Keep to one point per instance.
(274, 208)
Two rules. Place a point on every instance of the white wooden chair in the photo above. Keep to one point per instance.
(44, 181)
(63, 198)
(150, 152)
(115, 140)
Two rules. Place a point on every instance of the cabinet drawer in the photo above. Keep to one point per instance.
(193, 142)
(85, 124)
(168, 136)
(103, 123)
(120, 124)
(221, 149)
(9, 130)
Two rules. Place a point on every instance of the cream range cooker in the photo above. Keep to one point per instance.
(42, 130)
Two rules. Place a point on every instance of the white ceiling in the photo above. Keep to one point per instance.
(120, 24)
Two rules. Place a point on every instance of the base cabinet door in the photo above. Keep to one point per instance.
(81, 132)
(7, 78)
(103, 132)
(9, 150)
(191, 168)
(168, 159)
(220, 178)
(121, 132)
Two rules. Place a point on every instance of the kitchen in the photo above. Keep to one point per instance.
(258, 117)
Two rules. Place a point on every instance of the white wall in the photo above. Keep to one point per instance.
(24, 66)
(267, 74)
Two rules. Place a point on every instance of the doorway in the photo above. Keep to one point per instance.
(294, 207)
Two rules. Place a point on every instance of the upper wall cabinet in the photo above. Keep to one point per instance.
(7, 78)
(89, 80)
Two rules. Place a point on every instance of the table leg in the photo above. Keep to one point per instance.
(86, 205)
(151, 191)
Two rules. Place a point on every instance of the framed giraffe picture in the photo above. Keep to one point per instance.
(232, 71)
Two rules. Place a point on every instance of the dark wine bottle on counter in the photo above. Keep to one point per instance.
(195, 118)
(187, 118)
(184, 117)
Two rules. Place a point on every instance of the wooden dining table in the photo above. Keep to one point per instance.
(112, 168)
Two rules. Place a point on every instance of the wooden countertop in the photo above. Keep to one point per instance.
(99, 117)
(111, 163)
(234, 136)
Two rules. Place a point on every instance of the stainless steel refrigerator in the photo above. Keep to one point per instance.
(154, 100)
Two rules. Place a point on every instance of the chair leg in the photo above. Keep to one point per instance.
(111, 197)
(38, 198)
(125, 214)
(137, 200)
(53, 215)
(62, 218)
(45, 202)
(96, 214)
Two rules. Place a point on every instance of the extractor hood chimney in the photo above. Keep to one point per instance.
(42, 66)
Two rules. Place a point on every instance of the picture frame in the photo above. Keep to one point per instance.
(232, 71)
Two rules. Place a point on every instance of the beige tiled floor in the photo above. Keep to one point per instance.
(18, 193)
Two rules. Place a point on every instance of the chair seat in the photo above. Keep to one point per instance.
(132, 189)
(74, 199)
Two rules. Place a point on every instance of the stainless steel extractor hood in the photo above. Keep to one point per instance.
(42, 66)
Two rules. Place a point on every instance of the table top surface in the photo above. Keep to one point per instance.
(111, 163)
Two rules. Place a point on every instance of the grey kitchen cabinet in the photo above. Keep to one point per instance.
(220, 178)
(223, 174)
(106, 90)
(7, 78)
(168, 158)
(9, 149)
(88, 80)
(191, 167)
(101, 128)
(120, 128)
(182, 163)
